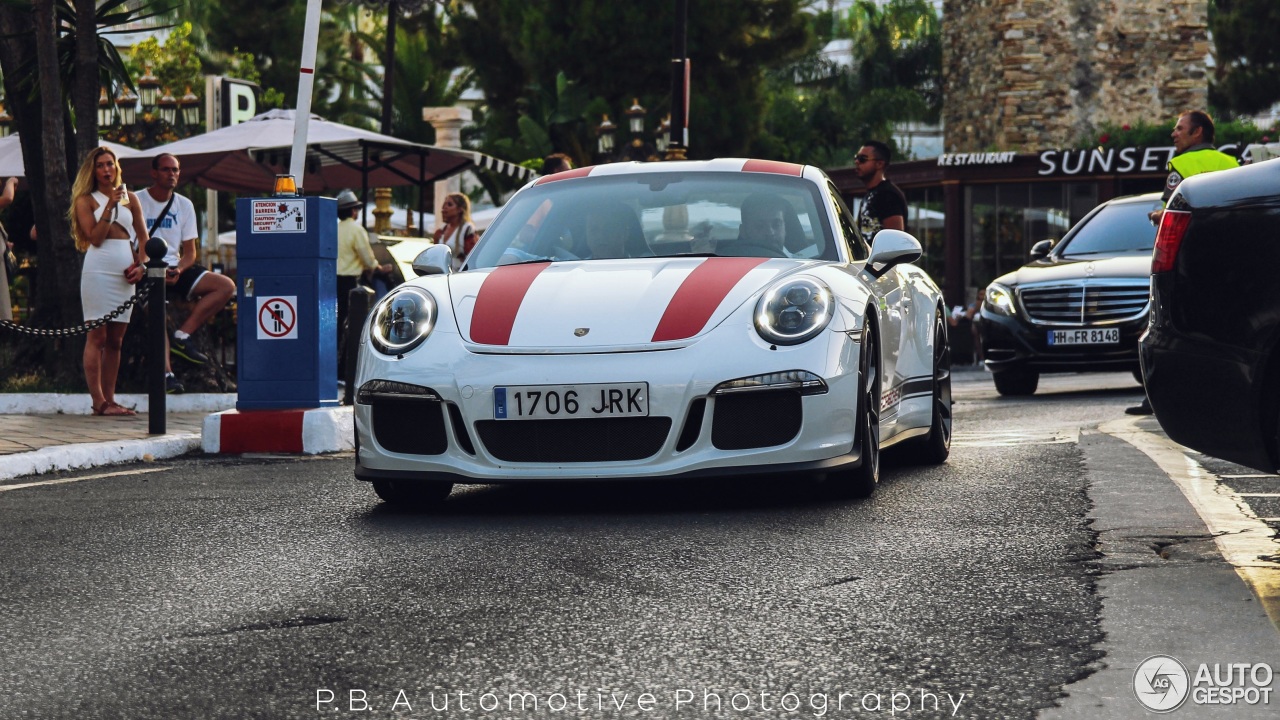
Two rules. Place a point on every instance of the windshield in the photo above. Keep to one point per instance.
(1115, 229)
(660, 214)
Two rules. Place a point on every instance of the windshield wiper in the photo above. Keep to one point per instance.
(526, 262)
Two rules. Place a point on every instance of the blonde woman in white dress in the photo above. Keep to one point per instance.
(107, 223)
(456, 229)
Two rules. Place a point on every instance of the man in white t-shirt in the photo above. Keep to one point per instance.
(186, 279)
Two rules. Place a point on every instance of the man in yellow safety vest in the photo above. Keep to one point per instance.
(1193, 137)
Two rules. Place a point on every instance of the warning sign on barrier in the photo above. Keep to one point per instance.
(280, 216)
(278, 317)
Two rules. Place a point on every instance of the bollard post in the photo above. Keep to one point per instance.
(156, 349)
(359, 302)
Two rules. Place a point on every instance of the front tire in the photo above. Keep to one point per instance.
(1016, 382)
(935, 448)
(413, 494)
(861, 481)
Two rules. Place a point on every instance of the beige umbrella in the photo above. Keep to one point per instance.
(11, 164)
(245, 158)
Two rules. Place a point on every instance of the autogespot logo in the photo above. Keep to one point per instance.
(1161, 683)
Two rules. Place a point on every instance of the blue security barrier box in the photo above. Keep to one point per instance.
(287, 328)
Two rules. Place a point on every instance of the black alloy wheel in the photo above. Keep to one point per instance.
(861, 481)
(934, 448)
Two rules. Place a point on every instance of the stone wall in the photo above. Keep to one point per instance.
(1032, 74)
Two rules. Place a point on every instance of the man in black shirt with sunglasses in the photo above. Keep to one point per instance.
(884, 207)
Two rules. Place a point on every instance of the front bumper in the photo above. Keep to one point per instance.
(1207, 396)
(1011, 342)
(689, 431)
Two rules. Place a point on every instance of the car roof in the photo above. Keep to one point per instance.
(745, 165)
(1143, 198)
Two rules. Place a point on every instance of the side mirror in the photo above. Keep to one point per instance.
(435, 260)
(889, 248)
(1041, 249)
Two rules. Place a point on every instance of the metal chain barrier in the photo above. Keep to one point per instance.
(140, 296)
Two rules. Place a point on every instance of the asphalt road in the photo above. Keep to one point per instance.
(281, 588)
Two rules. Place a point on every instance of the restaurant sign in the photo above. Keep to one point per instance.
(1101, 161)
(988, 158)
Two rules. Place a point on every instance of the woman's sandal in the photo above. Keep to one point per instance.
(100, 409)
(116, 410)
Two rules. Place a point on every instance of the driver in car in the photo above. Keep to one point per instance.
(607, 228)
(763, 231)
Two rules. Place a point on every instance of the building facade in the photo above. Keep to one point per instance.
(1031, 74)
(1024, 80)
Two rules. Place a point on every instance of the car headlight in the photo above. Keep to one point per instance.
(402, 321)
(793, 311)
(999, 300)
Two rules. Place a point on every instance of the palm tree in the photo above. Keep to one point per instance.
(40, 57)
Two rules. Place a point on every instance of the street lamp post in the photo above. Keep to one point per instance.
(159, 121)
(638, 146)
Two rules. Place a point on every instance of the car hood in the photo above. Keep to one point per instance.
(601, 305)
(1055, 269)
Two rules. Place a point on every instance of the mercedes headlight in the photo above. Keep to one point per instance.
(999, 300)
(402, 321)
(794, 311)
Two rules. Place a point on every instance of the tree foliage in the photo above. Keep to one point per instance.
(619, 51)
(821, 112)
(1248, 57)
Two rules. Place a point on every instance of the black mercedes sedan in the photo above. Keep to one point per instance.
(1211, 358)
(1079, 305)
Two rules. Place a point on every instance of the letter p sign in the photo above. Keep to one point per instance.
(241, 104)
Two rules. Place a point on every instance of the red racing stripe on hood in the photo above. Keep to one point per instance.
(499, 300)
(699, 296)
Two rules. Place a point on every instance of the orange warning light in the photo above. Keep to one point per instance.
(285, 185)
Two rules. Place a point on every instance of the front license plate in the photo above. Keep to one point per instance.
(567, 402)
(1085, 336)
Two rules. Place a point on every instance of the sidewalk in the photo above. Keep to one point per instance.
(49, 432)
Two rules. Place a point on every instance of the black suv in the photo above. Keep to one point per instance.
(1079, 305)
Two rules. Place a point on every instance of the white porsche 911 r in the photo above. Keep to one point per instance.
(678, 319)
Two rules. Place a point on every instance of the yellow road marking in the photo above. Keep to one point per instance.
(1242, 537)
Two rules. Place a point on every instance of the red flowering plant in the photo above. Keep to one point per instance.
(1144, 134)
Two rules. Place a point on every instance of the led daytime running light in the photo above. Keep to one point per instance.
(794, 311)
(803, 380)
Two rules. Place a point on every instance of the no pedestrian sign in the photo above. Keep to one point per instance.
(278, 317)
(280, 216)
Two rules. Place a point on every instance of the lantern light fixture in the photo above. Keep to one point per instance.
(604, 134)
(635, 116)
(168, 107)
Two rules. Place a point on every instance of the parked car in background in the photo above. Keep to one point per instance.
(642, 320)
(1211, 359)
(1079, 305)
